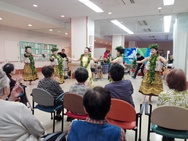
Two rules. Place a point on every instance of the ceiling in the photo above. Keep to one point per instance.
(140, 16)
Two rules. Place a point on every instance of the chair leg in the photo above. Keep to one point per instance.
(33, 108)
(136, 132)
(62, 120)
(52, 116)
(140, 128)
(53, 122)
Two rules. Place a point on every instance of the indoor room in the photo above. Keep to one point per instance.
(53, 44)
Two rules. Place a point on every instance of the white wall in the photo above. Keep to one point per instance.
(15, 35)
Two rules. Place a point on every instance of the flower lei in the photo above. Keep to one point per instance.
(60, 63)
(32, 62)
(152, 66)
(88, 60)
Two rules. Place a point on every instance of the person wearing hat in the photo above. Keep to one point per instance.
(139, 66)
(57, 62)
(30, 72)
(85, 61)
(119, 58)
(152, 83)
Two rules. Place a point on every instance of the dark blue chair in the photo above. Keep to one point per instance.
(46, 103)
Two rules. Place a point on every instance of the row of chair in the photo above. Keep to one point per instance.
(163, 120)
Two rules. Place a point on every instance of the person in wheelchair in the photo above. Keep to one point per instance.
(9, 69)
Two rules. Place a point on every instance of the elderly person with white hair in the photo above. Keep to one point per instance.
(16, 121)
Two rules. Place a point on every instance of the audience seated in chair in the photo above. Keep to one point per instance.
(97, 104)
(177, 95)
(52, 86)
(120, 88)
(8, 68)
(16, 121)
(81, 75)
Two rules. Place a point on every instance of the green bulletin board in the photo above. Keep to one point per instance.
(36, 48)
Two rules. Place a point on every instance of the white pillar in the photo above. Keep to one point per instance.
(180, 43)
(117, 40)
(82, 35)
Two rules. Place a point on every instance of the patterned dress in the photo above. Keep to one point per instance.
(172, 97)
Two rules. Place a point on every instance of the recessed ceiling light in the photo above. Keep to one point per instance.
(29, 24)
(34, 5)
(58, 31)
(66, 33)
(100, 41)
(1, 19)
(106, 42)
(50, 29)
(62, 16)
(159, 8)
(109, 13)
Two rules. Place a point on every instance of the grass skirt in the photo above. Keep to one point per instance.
(151, 89)
(57, 74)
(28, 74)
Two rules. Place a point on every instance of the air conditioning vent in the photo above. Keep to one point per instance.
(124, 2)
(143, 22)
(147, 30)
(132, 1)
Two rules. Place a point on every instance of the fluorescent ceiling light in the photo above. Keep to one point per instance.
(92, 6)
(168, 2)
(167, 23)
(121, 26)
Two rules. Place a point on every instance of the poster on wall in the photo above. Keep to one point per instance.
(36, 48)
(130, 54)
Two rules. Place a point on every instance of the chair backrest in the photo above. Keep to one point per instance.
(74, 103)
(42, 97)
(171, 117)
(121, 110)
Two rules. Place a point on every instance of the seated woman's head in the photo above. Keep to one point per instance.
(8, 68)
(116, 72)
(97, 102)
(81, 74)
(47, 71)
(4, 85)
(176, 80)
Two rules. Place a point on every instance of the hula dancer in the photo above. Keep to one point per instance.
(152, 84)
(57, 63)
(119, 58)
(30, 72)
(85, 61)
